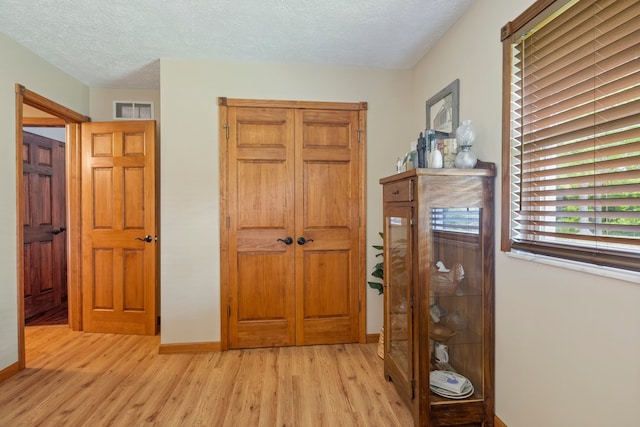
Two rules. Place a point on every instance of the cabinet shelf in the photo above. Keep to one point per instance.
(462, 337)
(439, 244)
(435, 399)
(463, 292)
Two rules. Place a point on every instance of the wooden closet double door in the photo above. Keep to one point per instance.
(292, 231)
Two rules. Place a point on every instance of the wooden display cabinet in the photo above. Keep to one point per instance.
(440, 218)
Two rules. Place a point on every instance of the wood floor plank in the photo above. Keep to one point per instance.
(80, 406)
(125, 385)
(82, 379)
(287, 414)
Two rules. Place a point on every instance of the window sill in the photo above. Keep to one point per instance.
(613, 273)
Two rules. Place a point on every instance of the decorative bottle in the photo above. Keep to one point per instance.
(465, 135)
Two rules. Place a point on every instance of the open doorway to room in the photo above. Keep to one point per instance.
(31, 110)
(105, 168)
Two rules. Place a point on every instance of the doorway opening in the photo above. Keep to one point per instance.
(28, 105)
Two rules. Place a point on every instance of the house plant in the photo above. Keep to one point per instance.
(378, 269)
(378, 273)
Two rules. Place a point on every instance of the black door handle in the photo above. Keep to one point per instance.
(287, 240)
(302, 240)
(58, 230)
(146, 238)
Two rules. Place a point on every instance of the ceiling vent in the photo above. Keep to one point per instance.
(130, 110)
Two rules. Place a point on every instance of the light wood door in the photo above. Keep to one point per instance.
(119, 227)
(261, 217)
(292, 199)
(327, 218)
(43, 212)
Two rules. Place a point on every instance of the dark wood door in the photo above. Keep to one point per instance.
(292, 197)
(45, 283)
(119, 227)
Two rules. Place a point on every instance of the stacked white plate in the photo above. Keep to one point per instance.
(450, 384)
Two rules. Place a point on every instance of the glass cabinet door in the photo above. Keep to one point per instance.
(456, 303)
(398, 301)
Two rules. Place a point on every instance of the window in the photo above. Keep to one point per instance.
(571, 132)
(461, 220)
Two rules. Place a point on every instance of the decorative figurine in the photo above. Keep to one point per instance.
(445, 281)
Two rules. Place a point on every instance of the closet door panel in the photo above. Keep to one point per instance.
(261, 271)
(327, 217)
(292, 195)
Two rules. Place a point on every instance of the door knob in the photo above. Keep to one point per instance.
(58, 230)
(302, 240)
(146, 238)
(287, 240)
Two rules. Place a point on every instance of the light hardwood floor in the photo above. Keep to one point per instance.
(85, 379)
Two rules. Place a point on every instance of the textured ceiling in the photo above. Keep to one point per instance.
(118, 43)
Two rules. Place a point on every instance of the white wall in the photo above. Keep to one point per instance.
(21, 66)
(567, 342)
(190, 277)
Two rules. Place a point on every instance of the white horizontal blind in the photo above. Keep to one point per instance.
(461, 220)
(575, 134)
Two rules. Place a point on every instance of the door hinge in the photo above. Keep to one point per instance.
(359, 131)
(228, 222)
(413, 389)
(226, 128)
(359, 307)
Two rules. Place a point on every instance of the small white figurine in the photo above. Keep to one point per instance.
(441, 267)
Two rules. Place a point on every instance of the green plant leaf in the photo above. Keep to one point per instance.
(377, 286)
(378, 269)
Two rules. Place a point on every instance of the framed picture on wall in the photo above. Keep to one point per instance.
(443, 109)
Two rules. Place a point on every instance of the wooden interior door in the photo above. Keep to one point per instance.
(119, 227)
(43, 212)
(327, 226)
(260, 201)
(292, 201)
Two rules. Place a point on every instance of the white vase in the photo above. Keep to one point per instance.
(435, 159)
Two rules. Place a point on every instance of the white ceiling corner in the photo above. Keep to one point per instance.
(118, 43)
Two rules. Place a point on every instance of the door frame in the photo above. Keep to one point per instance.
(223, 139)
(72, 121)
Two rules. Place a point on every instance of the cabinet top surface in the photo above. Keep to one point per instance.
(483, 169)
